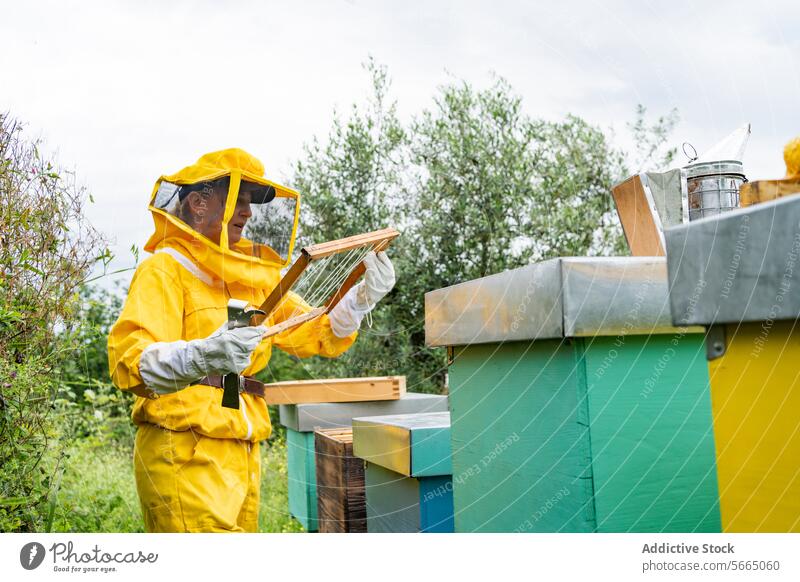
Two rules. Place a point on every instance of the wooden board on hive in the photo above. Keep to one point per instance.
(638, 218)
(336, 390)
(341, 499)
(766, 190)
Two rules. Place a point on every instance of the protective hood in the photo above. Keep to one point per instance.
(223, 213)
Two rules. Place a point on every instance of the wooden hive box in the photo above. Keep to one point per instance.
(766, 190)
(341, 503)
(333, 396)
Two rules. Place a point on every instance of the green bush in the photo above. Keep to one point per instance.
(46, 250)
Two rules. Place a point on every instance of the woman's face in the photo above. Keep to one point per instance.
(208, 212)
(241, 215)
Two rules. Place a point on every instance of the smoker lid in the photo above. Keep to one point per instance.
(715, 169)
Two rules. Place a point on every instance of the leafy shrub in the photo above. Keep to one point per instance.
(46, 250)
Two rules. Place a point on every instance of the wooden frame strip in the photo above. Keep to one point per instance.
(291, 322)
(322, 250)
(336, 390)
(283, 287)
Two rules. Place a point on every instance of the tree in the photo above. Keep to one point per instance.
(354, 183)
(354, 178)
(494, 190)
(649, 139)
(476, 187)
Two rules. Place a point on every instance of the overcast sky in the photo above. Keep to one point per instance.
(127, 91)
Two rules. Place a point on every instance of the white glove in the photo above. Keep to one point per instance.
(168, 367)
(379, 279)
(346, 316)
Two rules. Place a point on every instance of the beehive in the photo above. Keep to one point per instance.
(576, 406)
(301, 420)
(408, 474)
(340, 483)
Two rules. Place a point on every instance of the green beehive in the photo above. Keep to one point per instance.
(575, 405)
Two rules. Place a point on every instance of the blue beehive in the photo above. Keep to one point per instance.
(408, 472)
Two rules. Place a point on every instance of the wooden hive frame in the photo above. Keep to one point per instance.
(376, 241)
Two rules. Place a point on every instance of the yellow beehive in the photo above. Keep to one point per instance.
(755, 395)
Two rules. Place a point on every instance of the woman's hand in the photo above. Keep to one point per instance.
(379, 279)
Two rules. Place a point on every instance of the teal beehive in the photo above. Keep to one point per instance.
(576, 406)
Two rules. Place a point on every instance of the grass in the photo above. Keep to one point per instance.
(274, 514)
(98, 492)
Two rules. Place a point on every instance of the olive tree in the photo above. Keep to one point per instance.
(475, 185)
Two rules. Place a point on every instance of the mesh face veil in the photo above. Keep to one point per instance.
(236, 212)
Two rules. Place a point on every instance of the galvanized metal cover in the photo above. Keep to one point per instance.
(565, 297)
(738, 266)
(408, 422)
(309, 417)
(615, 295)
(513, 305)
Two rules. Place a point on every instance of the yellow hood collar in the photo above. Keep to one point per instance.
(234, 265)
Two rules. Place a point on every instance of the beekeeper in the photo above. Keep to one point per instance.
(222, 231)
